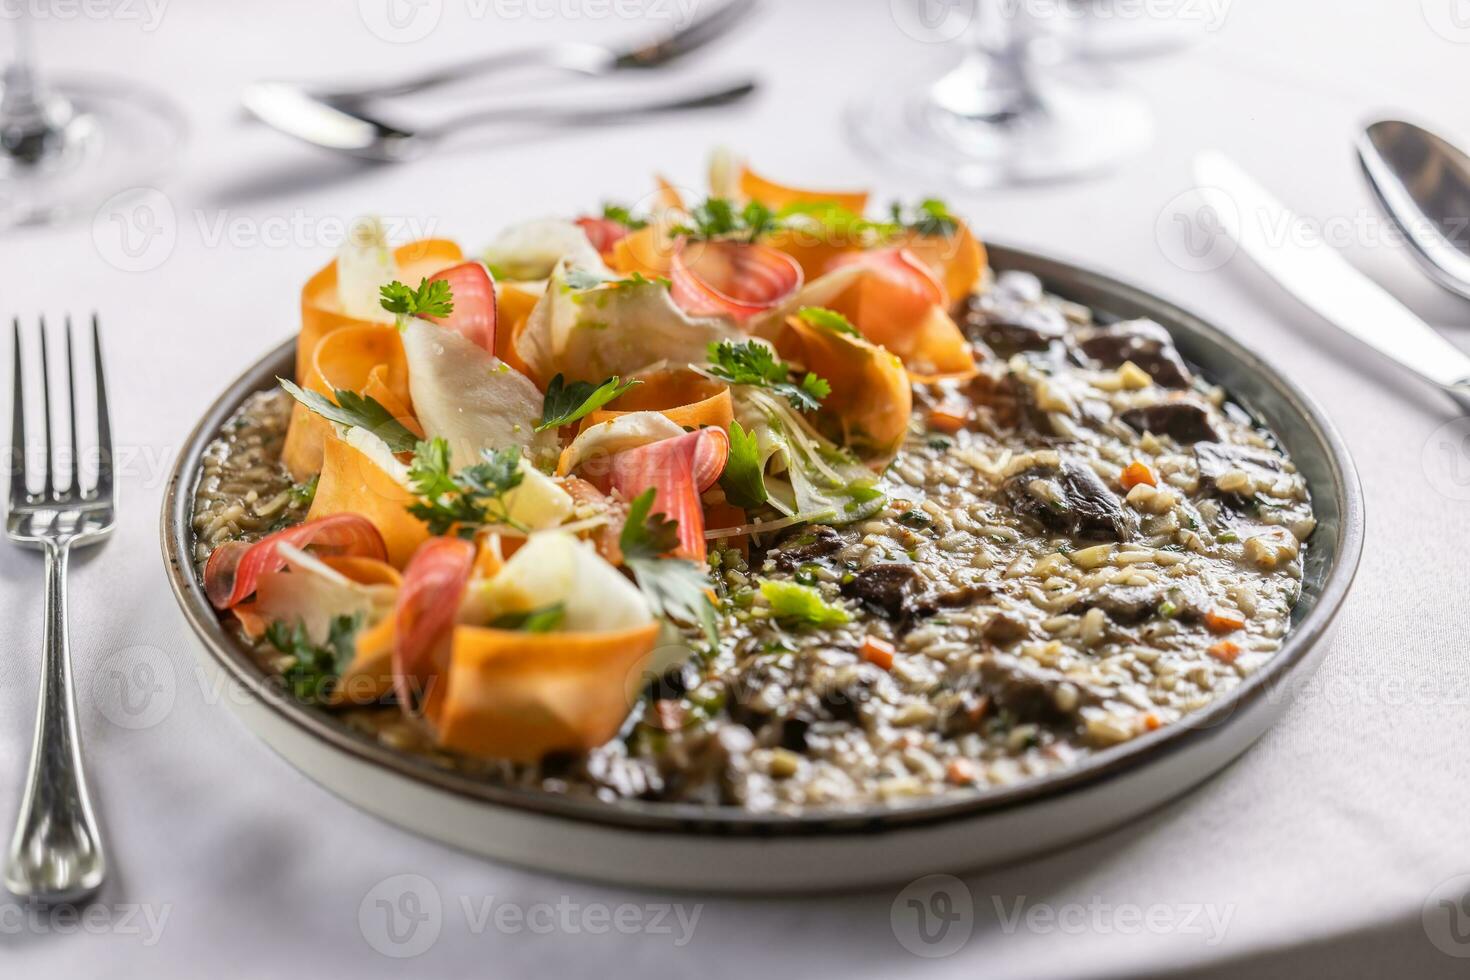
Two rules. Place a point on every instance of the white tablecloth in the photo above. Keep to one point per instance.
(1322, 849)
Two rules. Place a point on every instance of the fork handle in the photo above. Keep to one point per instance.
(579, 59)
(56, 853)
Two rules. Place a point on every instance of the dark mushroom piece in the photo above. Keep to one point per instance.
(808, 544)
(1181, 419)
(1127, 605)
(1030, 691)
(1069, 499)
(892, 589)
(1143, 342)
(1215, 459)
(1009, 327)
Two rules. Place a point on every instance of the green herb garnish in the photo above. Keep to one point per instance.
(473, 496)
(932, 218)
(566, 403)
(753, 363)
(433, 297)
(801, 605)
(831, 320)
(314, 668)
(580, 279)
(305, 493)
(624, 217)
(354, 410)
(717, 218)
(543, 620)
(674, 587)
(744, 479)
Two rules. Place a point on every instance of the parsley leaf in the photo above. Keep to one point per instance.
(314, 668)
(543, 620)
(744, 481)
(433, 297)
(717, 218)
(566, 403)
(831, 320)
(674, 587)
(352, 409)
(624, 217)
(931, 218)
(753, 363)
(801, 605)
(473, 496)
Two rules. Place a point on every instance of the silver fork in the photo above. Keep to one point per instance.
(56, 854)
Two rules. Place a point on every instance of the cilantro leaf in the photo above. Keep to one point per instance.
(352, 409)
(801, 605)
(543, 620)
(467, 499)
(754, 363)
(314, 668)
(931, 218)
(675, 588)
(433, 297)
(717, 218)
(744, 479)
(566, 403)
(825, 319)
(624, 217)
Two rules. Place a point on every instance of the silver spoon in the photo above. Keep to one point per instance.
(356, 131)
(1423, 182)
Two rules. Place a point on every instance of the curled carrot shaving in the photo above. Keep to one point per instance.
(351, 483)
(777, 196)
(684, 397)
(516, 695)
(871, 398)
(321, 311)
(1135, 473)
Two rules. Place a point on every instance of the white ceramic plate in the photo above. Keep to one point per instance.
(728, 849)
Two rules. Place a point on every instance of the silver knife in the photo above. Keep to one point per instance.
(1323, 280)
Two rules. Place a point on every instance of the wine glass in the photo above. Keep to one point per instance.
(71, 143)
(1005, 113)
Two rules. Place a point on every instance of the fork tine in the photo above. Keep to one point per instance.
(104, 420)
(48, 488)
(75, 489)
(18, 490)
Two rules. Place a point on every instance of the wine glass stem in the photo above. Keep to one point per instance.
(32, 122)
(992, 83)
(19, 99)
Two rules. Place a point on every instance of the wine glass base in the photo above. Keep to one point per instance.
(1062, 130)
(110, 136)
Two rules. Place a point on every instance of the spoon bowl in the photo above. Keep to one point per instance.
(1422, 181)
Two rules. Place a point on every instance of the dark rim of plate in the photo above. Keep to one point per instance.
(1296, 420)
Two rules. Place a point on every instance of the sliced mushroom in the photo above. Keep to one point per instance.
(1069, 499)
(1182, 419)
(1143, 342)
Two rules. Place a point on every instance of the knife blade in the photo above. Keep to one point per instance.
(1291, 252)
